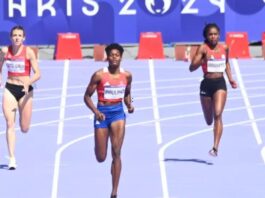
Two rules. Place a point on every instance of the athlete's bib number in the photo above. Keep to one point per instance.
(114, 92)
(216, 66)
(15, 66)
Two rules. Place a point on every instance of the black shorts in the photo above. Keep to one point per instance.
(16, 90)
(210, 85)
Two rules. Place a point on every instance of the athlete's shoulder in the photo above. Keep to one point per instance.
(225, 46)
(29, 51)
(96, 76)
(202, 49)
(28, 48)
(98, 73)
(125, 72)
(4, 49)
(128, 75)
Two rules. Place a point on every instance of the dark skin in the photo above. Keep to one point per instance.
(213, 106)
(116, 131)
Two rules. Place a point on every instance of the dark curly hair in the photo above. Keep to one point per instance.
(114, 46)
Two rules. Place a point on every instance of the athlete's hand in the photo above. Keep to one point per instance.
(130, 109)
(26, 85)
(100, 116)
(26, 89)
(1, 82)
(233, 84)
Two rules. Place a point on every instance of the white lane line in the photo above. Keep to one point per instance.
(160, 106)
(63, 102)
(162, 166)
(54, 121)
(55, 96)
(142, 109)
(247, 102)
(154, 100)
(161, 151)
(263, 154)
(165, 146)
(142, 98)
(57, 164)
(65, 146)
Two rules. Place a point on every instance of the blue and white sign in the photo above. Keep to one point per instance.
(105, 21)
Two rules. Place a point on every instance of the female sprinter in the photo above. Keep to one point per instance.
(18, 92)
(113, 84)
(213, 57)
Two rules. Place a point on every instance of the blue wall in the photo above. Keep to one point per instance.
(105, 21)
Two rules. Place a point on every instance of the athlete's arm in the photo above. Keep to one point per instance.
(1, 65)
(228, 69)
(127, 95)
(91, 88)
(197, 58)
(34, 64)
(3, 51)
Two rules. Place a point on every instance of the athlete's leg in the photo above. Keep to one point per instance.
(101, 143)
(116, 136)
(25, 111)
(207, 107)
(219, 99)
(10, 106)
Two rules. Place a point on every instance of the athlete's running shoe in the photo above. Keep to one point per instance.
(213, 152)
(12, 164)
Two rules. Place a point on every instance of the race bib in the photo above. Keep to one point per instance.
(216, 66)
(15, 66)
(114, 92)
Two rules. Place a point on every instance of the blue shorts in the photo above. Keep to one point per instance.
(112, 113)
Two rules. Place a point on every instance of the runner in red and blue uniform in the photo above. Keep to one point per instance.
(213, 58)
(113, 85)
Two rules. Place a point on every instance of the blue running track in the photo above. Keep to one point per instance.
(165, 152)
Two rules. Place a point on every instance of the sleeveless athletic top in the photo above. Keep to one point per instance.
(17, 65)
(112, 89)
(216, 60)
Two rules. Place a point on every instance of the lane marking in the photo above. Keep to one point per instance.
(161, 152)
(154, 100)
(160, 106)
(165, 146)
(90, 116)
(65, 146)
(247, 102)
(56, 96)
(57, 162)
(263, 154)
(63, 102)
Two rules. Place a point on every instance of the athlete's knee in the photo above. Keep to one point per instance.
(10, 124)
(217, 116)
(116, 153)
(100, 158)
(209, 122)
(24, 128)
